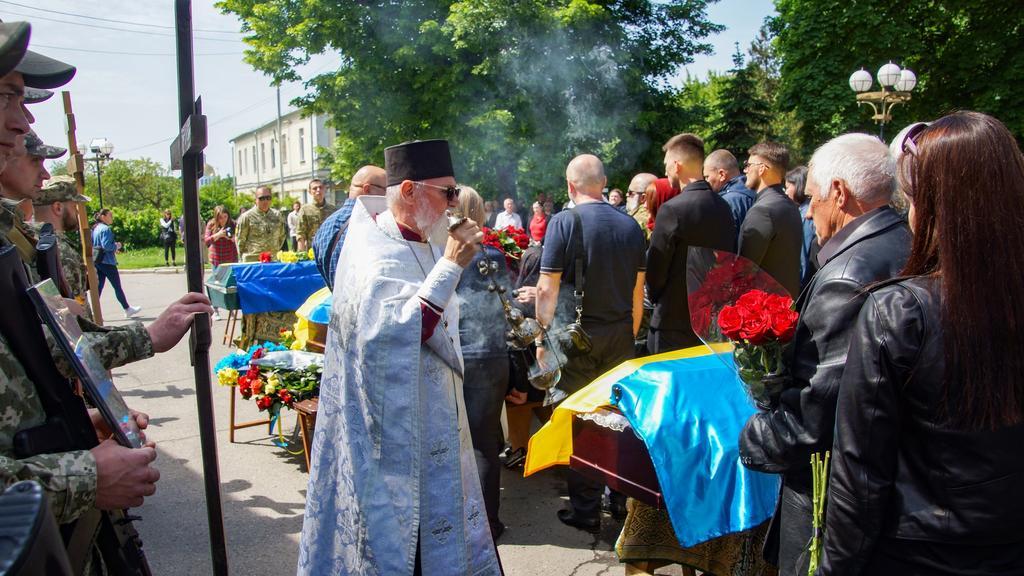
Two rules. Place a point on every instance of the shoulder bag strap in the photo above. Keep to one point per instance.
(580, 257)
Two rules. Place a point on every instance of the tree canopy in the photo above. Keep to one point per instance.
(517, 87)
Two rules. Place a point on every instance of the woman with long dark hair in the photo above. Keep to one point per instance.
(796, 183)
(169, 237)
(927, 463)
(220, 242)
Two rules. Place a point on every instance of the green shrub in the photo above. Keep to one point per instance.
(136, 228)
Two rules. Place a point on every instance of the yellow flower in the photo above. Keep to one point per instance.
(298, 345)
(310, 255)
(227, 376)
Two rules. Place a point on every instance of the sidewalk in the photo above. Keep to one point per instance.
(264, 488)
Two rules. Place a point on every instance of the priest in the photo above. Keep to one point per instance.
(393, 486)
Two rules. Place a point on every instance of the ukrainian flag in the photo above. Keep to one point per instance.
(688, 406)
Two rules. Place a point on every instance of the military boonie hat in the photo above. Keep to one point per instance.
(13, 45)
(59, 189)
(36, 95)
(35, 146)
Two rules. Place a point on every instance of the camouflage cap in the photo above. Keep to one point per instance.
(13, 45)
(59, 189)
(35, 146)
(37, 95)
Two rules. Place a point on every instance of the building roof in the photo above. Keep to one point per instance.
(287, 116)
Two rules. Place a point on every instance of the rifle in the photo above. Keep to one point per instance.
(67, 425)
(48, 260)
(76, 168)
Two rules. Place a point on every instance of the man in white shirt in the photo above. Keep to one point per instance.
(509, 217)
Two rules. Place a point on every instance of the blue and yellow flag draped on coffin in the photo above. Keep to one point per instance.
(688, 407)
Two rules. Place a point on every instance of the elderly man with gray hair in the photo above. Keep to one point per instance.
(863, 241)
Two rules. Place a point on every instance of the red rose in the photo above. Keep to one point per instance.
(783, 324)
(730, 320)
(757, 326)
(258, 353)
(264, 257)
(753, 300)
(777, 302)
(245, 389)
(253, 373)
(264, 402)
(285, 397)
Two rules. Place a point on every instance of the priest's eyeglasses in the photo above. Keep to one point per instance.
(451, 192)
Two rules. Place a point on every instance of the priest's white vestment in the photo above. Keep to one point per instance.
(392, 459)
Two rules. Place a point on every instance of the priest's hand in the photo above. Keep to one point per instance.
(462, 243)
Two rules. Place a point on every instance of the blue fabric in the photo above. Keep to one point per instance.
(327, 259)
(805, 248)
(276, 287)
(103, 238)
(321, 314)
(689, 412)
(739, 197)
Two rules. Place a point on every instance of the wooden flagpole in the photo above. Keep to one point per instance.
(76, 168)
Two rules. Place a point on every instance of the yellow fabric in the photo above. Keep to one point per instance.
(301, 330)
(552, 444)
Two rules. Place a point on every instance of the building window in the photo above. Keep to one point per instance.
(240, 162)
(273, 155)
(255, 166)
(263, 156)
(302, 145)
(284, 148)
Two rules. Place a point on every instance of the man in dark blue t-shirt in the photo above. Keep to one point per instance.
(612, 256)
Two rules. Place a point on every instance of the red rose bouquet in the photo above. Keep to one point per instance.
(759, 324)
(271, 389)
(510, 241)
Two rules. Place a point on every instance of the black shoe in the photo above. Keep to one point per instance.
(617, 508)
(497, 529)
(516, 459)
(569, 518)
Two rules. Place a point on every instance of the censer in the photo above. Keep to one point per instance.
(523, 331)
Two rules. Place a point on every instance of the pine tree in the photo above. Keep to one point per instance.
(741, 114)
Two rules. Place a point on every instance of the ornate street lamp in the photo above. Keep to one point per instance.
(101, 148)
(896, 87)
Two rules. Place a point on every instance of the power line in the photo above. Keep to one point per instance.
(114, 21)
(101, 27)
(130, 53)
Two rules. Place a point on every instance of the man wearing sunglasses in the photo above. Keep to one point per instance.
(771, 234)
(330, 237)
(863, 241)
(260, 228)
(393, 484)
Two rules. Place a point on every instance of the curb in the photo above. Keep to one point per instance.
(160, 270)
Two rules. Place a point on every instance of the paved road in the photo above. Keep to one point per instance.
(263, 487)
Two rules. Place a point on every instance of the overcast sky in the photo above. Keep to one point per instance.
(126, 86)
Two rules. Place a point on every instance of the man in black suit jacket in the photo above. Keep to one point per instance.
(697, 217)
(772, 234)
(850, 183)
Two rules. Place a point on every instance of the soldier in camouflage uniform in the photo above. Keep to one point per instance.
(260, 228)
(108, 477)
(57, 206)
(312, 215)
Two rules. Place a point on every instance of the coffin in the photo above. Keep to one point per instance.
(617, 458)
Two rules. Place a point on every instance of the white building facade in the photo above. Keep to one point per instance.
(260, 158)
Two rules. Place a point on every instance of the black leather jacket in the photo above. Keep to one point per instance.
(903, 484)
(783, 439)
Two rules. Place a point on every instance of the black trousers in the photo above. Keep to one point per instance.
(484, 387)
(613, 345)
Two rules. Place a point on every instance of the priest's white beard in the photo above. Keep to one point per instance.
(433, 227)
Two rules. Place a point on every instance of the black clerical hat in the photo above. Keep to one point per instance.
(417, 160)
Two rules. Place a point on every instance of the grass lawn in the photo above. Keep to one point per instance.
(146, 258)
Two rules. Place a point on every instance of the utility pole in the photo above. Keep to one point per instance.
(280, 156)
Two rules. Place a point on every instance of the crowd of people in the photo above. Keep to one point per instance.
(906, 362)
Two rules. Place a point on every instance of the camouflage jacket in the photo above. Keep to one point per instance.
(310, 218)
(259, 232)
(68, 477)
(73, 266)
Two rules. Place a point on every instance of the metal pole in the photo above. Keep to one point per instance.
(99, 180)
(280, 164)
(200, 337)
